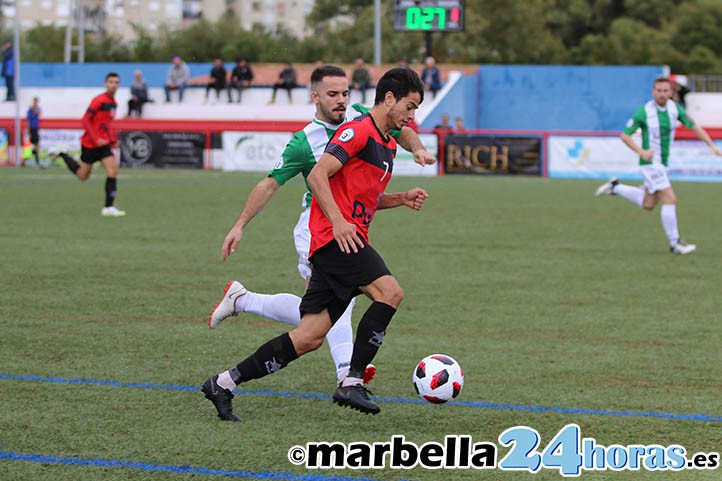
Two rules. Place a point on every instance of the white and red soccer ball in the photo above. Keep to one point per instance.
(438, 378)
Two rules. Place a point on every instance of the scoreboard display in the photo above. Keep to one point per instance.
(429, 15)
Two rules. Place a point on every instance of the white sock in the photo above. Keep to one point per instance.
(635, 195)
(340, 342)
(669, 222)
(350, 381)
(276, 307)
(225, 381)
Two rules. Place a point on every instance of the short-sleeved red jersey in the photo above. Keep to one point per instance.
(97, 121)
(368, 160)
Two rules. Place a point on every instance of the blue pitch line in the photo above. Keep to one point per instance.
(185, 469)
(471, 404)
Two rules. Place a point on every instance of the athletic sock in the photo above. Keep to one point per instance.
(635, 195)
(269, 358)
(669, 222)
(37, 156)
(226, 381)
(340, 342)
(369, 336)
(111, 184)
(276, 307)
(72, 165)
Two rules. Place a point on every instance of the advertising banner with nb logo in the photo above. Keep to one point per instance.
(162, 149)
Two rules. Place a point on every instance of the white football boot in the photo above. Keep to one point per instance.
(607, 188)
(112, 211)
(682, 248)
(227, 307)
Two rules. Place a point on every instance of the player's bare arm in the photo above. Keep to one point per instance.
(704, 137)
(413, 198)
(257, 199)
(629, 142)
(344, 232)
(410, 141)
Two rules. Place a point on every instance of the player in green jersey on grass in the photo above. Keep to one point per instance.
(657, 119)
(329, 93)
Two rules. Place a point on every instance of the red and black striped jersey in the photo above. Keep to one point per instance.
(97, 121)
(368, 160)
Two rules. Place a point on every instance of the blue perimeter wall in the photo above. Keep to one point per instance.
(548, 97)
(504, 97)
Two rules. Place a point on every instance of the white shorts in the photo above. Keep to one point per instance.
(302, 241)
(656, 178)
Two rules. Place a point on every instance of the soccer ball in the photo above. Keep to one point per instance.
(438, 378)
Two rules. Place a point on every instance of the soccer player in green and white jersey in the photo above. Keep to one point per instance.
(329, 93)
(657, 119)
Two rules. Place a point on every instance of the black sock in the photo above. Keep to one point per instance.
(37, 157)
(369, 336)
(70, 162)
(110, 188)
(269, 358)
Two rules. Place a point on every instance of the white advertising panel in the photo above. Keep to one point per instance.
(404, 162)
(260, 151)
(603, 157)
(253, 151)
(590, 158)
(694, 161)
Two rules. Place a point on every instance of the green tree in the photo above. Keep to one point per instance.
(698, 23)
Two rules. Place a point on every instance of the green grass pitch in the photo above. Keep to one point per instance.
(546, 295)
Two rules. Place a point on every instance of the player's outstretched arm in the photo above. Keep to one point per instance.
(410, 141)
(257, 199)
(704, 137)
(629, 142)
(413, 199)
(344, 232)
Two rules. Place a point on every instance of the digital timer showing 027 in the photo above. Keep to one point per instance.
(429, 15)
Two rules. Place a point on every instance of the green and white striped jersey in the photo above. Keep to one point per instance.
(657, 126)
(306, 147)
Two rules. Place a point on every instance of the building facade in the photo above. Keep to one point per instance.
(117, 17)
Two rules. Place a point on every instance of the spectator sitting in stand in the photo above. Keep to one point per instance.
(286, 80)
(138, 95)
(216, 80)
(177, 79)
(431, 77)
(241, 78)
(361, 79)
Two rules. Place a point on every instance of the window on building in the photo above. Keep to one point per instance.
(192, 9)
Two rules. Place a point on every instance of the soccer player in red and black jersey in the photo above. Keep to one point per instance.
(97, 142)
(348, 183)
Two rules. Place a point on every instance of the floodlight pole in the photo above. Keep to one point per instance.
(377, 32)
(73, 15)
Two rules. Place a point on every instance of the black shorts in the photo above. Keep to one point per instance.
(34, 136)
(336, 278)
(90, 156)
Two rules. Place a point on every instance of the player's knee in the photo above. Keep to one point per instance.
(393, 296)
(305, 342)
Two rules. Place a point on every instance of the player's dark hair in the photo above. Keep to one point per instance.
(112, 74)
(319, 73)
(399, 81)
(662, 79)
